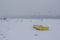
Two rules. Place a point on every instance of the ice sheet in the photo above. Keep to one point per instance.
(21, 29)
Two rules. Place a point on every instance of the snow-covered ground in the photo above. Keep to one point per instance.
(21, 29)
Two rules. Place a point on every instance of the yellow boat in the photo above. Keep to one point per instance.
(40, 27)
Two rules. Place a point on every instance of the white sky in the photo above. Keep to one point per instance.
(29, 8)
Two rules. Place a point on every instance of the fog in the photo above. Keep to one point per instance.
(30, 8)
